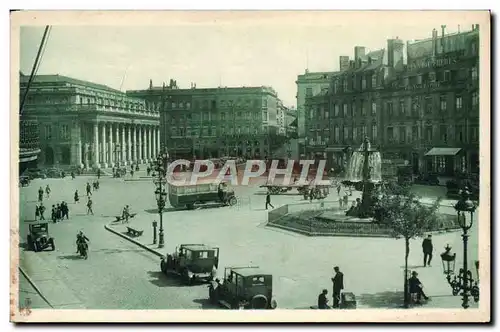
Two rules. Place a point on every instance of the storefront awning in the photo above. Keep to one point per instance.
(443, 151)
(335, 149)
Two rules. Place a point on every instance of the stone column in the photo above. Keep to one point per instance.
(111, 147)
(158, 141)
(130, 145)
(124, 147)
(151, 151)
(134, 144)
(117, 144)
(154, 153)
(139, 140)
(104, 146)
(95, 147)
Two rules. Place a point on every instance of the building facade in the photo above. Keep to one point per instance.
(87, 125)
(216, 122)
(424, 112)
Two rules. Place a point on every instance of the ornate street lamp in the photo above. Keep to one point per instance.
(463, 281)
(160, 192)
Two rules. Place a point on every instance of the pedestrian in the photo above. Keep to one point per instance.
(64, 210)
(341, 201)
(338, 286)
(89, 190)
(346, 200)
(339, 187)
(37, 212)
(323, 300)
(125, 214)
(58, 212)
(40, 194)
(72, 175)
(268, 200)
(97, 185)
(427, 248)
(42, 210)
(53, 215)
(99, 173)
(47, 191)
(76, 197)
(89, 207)
(416, 287)
(132, 173)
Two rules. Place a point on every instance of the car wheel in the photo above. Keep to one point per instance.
(259, 302)
(190, 206)
(35, 246)
(52, 244)
(163, 267)
(232, 201)
(185, 277)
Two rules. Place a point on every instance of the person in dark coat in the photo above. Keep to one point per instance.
(416, 287)
(338, 286)
(54, 214)
(42, 210)
(89, 190)
(98, 173)
(37, 212)
(58, 212)
(64, 210)
(323, 300)
(268, 200)
(76, 197)
(40, 194)
(427, 248)
(89, 207)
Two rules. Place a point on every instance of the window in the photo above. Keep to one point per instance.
(173, 131)
(446, 76)
(174, 105)
(414, 133)
(374, 132)
(419, 79)
(474, 73)
(264, 103)
(264, 116)
(345, 110)
(363, 83)
(48, 132)
(402, 107)
(344, 84)
(238, 114)
(363, 110)
(354, 133)
(441, 163)
(402, 134)
(475, 99)
(428, 133)
(64, 132)
(181, 104)
(475, 133)
(415, 106)
(474, 48)
(336, 133)
(309, 92)
(336, 86)
(188, 105)
(428, 105)
(432, 76)
(443, 133)
(458, 103)
(206, 116)
(247, 115)
(223, 116)
(346, 133)
(374, 108)
(390, 133)
(406, 81)
(374, 80)
(459, 134)
(390, 110)
(363, 131)
(442, 103)
(336, 109)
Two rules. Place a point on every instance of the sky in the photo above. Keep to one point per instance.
(211, 53)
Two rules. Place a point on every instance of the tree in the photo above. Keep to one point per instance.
(403, 212)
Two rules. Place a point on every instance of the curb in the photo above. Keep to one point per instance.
(155, 252)
(32, 283)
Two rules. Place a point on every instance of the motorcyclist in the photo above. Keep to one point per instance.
(81, 239)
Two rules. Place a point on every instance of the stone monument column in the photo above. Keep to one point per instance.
(104, 146)
(95, 146)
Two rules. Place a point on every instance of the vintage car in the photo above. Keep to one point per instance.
(34, 173)
(38, 238)
(188, 195)
(192, 262)
(24, 181)
(243, 288)
(54, 173)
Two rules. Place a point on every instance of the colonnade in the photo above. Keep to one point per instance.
(119, 144)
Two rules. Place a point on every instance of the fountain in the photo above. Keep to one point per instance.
(365, 168)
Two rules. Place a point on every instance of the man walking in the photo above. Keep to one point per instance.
(89, 207)
(40, 194)
(42, 210)
(427, 248)
(47, 191)
(89, 190)
(338, 286)
(268, 200)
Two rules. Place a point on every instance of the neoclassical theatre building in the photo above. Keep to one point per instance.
(88, 125)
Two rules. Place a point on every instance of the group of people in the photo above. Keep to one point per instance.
(59, 211)
(337, 287)
(41, 192)
(343, 194)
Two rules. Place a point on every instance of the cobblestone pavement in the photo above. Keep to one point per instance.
(302, 266)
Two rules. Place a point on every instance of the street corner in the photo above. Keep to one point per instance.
(133, 233)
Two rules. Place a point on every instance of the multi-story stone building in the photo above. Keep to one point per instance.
(431, 108)
(216, 122)
(83, 124)
(424, 112)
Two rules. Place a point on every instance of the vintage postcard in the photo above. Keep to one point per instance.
(260, 166)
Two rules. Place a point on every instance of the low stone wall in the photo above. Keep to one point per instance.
(304, 220)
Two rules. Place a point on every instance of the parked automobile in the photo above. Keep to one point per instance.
(192, 262)
(454, 189)
(54, 173)
(38, 238)
(188, 195)
(243, 288)
(427, 179)
(24, 181)
(34, 173)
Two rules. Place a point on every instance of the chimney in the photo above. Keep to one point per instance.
(434, 42)
(343, 62)
(477, 27)
(395, 54)
(150, 84)
(443, 27)
(359, 53)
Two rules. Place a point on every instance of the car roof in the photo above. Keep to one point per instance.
(249, 271)
(197, 247)
(39, 224)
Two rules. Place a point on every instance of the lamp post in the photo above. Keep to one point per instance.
(463, 282)
(160, 192)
